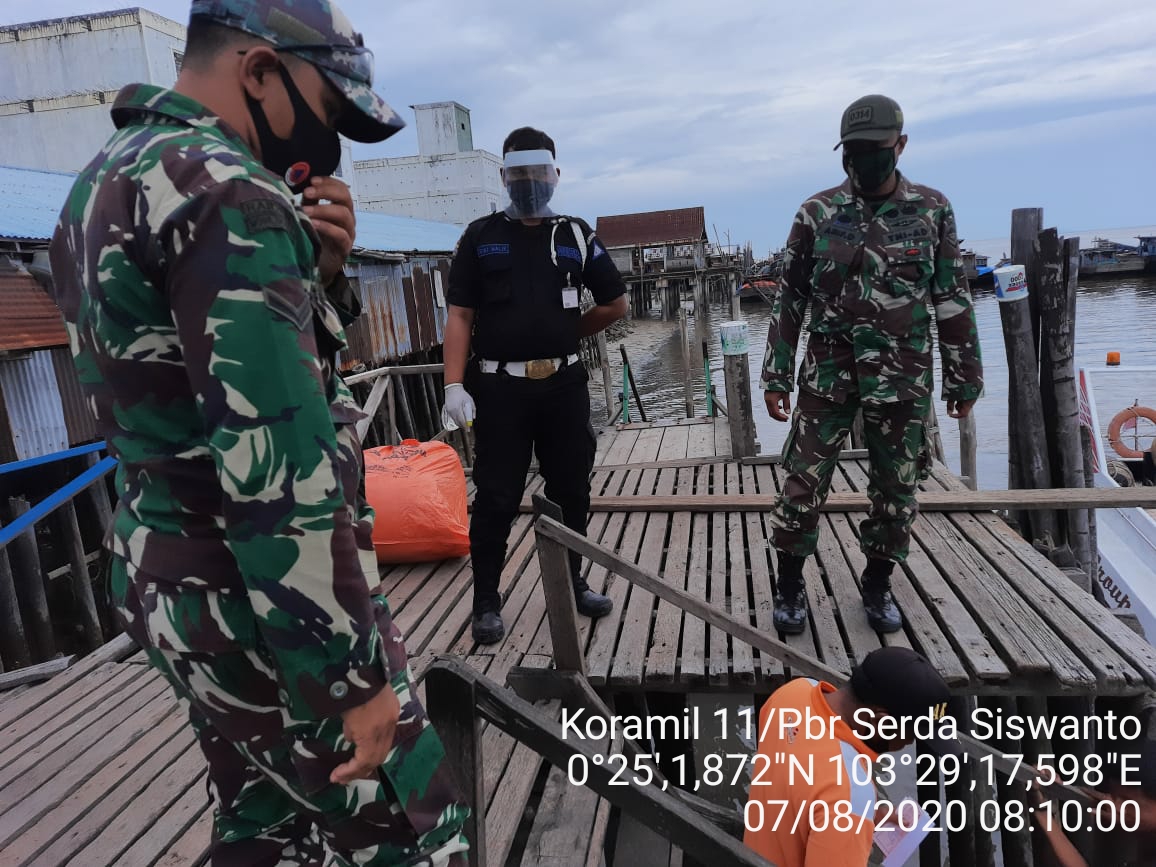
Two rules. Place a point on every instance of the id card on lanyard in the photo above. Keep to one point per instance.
(569, 297)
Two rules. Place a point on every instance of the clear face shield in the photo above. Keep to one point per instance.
(530, 179)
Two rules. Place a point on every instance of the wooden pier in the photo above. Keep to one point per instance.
(97, 765)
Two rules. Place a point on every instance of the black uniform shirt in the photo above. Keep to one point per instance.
(503, 271)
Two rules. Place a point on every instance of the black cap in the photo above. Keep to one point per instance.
(870, 118)
(905, 684)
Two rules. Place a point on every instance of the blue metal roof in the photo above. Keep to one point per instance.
(389, 234)
(30, 203)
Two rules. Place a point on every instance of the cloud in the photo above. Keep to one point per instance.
(679, 102)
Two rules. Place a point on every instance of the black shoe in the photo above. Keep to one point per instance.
(791, 611)
(488, 627)
(593, 604)
(882, 612)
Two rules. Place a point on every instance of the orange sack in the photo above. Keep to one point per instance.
(419, 493)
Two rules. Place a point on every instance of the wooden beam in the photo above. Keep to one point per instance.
(372, 403)
(34, 673)
(558, 586)
(929, 501)
(395, 370)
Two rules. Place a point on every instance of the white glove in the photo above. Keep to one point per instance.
(458, 411)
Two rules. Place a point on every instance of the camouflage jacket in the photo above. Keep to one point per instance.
(872, 283)
(206, 349)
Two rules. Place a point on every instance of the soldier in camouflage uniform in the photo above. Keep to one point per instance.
(874, 258)
(203, 310)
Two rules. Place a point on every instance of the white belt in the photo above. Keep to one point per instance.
(539, 368)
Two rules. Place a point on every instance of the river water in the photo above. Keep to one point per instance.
(1112, 314)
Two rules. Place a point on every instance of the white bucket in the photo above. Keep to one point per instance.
(733, 337)
(1011, 283)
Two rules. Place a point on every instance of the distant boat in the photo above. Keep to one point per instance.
(976, 268)
(1110, 257)
(1147, 251)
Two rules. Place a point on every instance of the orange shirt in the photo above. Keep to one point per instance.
(824, 751)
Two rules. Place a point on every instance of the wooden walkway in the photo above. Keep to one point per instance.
(97, 766)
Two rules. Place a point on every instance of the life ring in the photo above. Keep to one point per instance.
(1117, 424)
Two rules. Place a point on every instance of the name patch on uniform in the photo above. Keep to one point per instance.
(907, 235)
(493, 250)
(569, 253)
(850, 236)
(261, 215)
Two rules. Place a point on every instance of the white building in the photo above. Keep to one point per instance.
(448, 181)
(59, 78)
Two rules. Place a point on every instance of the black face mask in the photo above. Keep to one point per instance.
(530, 196)
(869, 170)
(312, 150)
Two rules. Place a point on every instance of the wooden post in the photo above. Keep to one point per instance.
(451, 704)
(737, 374)
(403, 400)
(1026, 415)
(1057, 309)
(1017, 845)
(607, 384)
(1025, 227)
(89, 620)
(934, 438)
(858, 434)
(98, 493)
(1093, 564)
(967, 452)
(392, 437)
(961, 844)
(30, 588)
(558, 586)
(701, 309)
(13, 644)
(435, 407)
(684, 345)
(736, 302)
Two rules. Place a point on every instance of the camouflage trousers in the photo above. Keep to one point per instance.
(896, 447)
(268, 774)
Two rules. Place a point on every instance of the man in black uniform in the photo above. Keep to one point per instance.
(514, 296)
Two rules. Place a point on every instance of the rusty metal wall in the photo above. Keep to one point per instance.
(33, 412)
(402, 311)
(78, 418)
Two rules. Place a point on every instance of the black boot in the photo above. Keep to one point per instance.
(592, 604)
(790, 615)
(487, 627)
(882, 612)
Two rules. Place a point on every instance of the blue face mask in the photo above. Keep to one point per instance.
(530, 197)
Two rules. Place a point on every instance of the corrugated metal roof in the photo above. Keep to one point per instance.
(35, 417)
(78, 418)
(31, 320)
(402, 312)
(680, 225)
(30, 203)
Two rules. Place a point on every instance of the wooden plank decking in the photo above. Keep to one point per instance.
(98, 767)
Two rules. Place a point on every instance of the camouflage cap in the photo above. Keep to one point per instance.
(870, 118)
(316, 31)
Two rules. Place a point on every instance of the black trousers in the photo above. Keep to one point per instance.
(516, 418)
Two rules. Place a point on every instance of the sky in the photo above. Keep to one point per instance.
(735, 106)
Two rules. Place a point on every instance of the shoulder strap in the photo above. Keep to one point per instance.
(578, 239)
